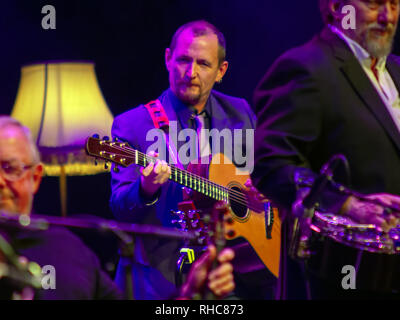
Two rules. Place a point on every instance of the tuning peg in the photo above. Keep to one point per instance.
(178, 213)
(106, 138)
(177, 222)
(115, 139)
(116, 169)
(96, 136)
(201, 240)
(206, 218)
(95, 162)
(190, 214)
(181, 223)
(106, 165)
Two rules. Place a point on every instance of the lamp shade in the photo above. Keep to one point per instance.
(62, 104)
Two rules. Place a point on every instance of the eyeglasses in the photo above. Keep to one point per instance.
(13, 170)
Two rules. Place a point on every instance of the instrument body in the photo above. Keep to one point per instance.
(250, 223)
(255, 221)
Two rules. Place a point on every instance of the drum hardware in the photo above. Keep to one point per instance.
(360, 236)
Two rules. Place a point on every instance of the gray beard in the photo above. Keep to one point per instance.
(379, 51)
(375, 49)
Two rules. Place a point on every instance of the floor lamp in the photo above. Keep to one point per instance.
(62, 105)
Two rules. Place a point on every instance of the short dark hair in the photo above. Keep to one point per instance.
(201, 28)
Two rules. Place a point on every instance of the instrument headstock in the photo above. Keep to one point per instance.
(113, 151)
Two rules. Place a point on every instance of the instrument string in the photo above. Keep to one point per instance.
(237, 196)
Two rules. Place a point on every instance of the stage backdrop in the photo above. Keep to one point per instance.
(126, 40)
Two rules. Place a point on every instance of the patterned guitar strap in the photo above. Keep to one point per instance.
(160, 121)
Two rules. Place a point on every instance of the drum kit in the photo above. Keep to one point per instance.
(337, 241)
(20, 278)
(327, 242)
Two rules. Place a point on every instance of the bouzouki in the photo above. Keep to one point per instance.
(255, 221)
(209, 226)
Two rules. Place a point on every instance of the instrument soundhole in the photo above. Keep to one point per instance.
(238, 202)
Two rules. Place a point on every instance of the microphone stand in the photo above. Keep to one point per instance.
(124, 232)
(304, 209)
(305, 206)
(126, 250)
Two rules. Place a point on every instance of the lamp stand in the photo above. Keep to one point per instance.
(63, 191)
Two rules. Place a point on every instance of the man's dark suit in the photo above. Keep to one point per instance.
(314, 102)
(156, 258)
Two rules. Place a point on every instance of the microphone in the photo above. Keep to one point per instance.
(303, 208)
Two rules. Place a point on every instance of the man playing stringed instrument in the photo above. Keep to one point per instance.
(77, 270)
(195, 60)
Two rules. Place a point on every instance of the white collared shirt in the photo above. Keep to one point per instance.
(385, 87)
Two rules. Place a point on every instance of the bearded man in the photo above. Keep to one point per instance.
(336, 94)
